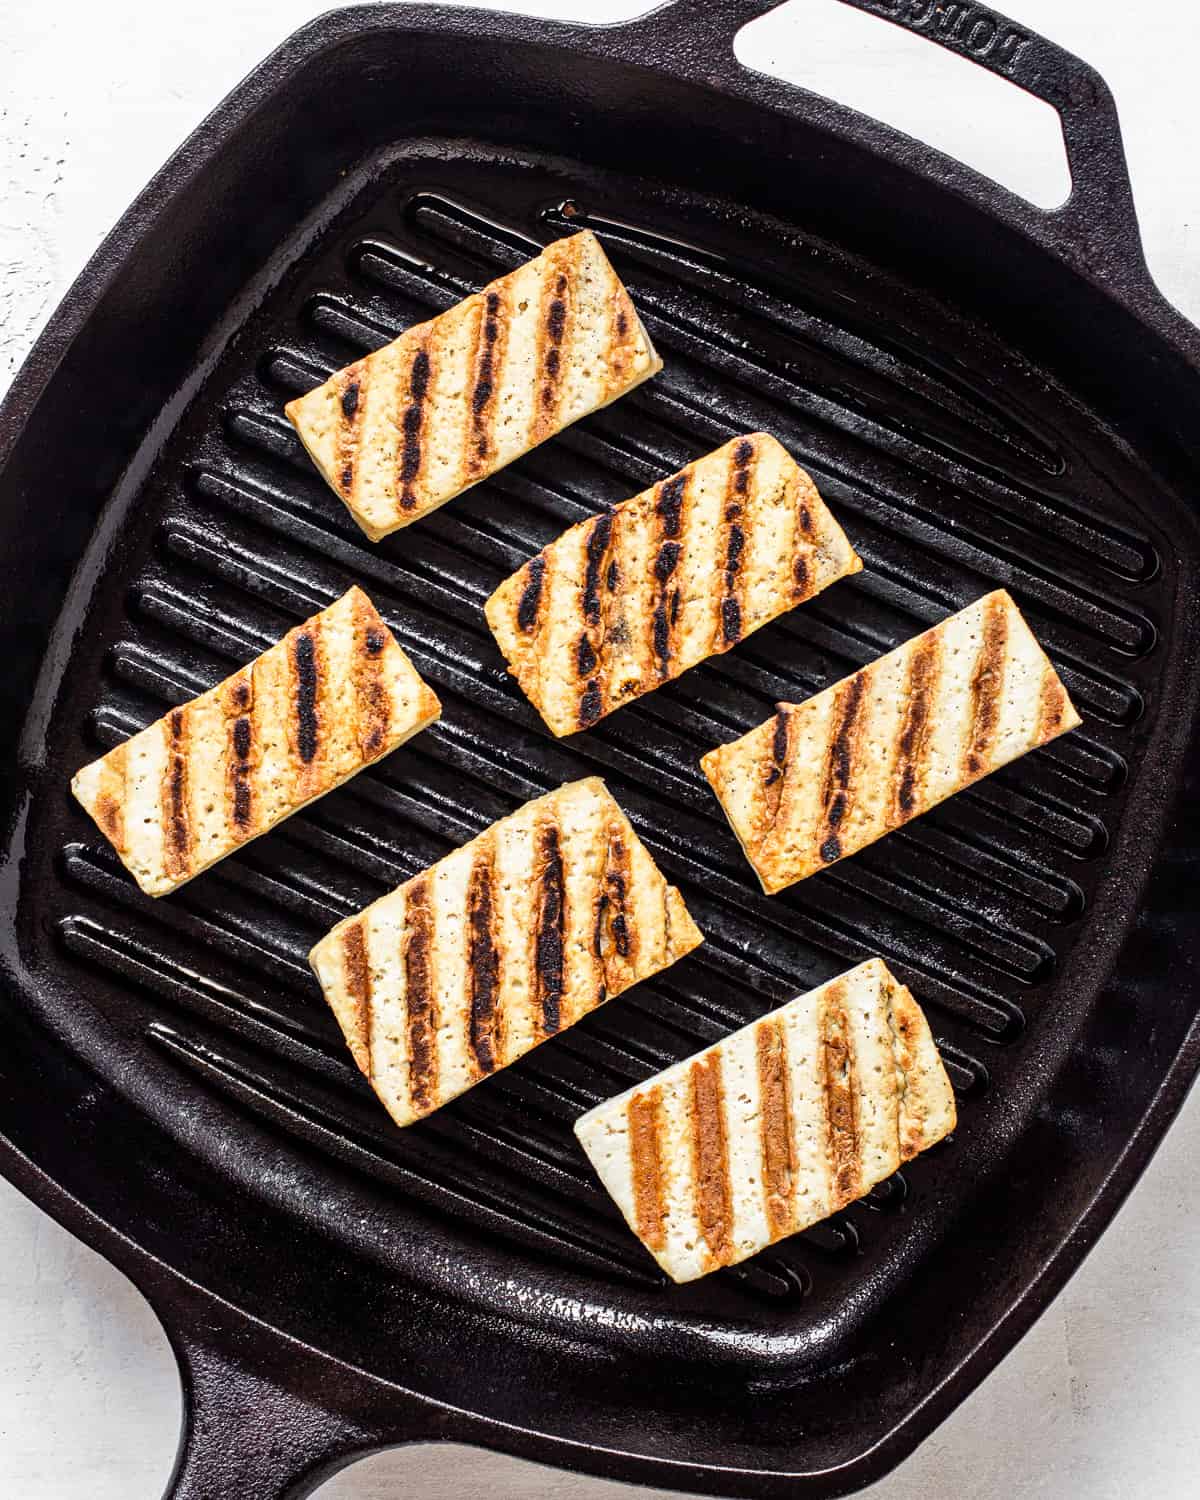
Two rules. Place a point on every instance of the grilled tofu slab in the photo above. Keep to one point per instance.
(503, 943)
(332, 696)
(781, 1124)
(620, 604)
(451, 401)
(824, 778)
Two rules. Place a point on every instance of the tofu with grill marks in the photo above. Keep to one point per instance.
(331, 697)
(621, 604)
(823, 779)
(776, 1127)
(452, 400)
(505, 942)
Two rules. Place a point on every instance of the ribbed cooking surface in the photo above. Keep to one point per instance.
(954, 469)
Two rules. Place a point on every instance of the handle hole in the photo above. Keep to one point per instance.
(907, 81)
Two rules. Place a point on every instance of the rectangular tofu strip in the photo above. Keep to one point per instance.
(332, 696)
(452, 400)
(776, 1127)
(501, 944)
(620, 604)
(823, 779)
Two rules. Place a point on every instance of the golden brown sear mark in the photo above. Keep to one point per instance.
(483, 960)
(645, 1158)
(489, 349)
(419, 1000)
(839, 764)
(178, 852)
(410, 427)
(804, 580)
(743, 453)
(592, 603)
(614, 929)
(668, 504)
(987, 683)
(778, 1156)
(241, 741)
(735, 541)
(307, 687)
(668, 509)
(1052, 706)
(598, 543)
(711, 1158)
(909, 1130)
(773, 774)
(920, 694)
(622, 321)
(531, 595)
(372, 700)
(110, 804)
(357, 968)
(551, 920)
(110, 817)
(591, 704)
(350, 402)
(841, 1096)
(237, 702)
(554, 331)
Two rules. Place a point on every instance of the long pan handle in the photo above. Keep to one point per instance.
(242, 1436)
(1099, 212)
(268, 1419)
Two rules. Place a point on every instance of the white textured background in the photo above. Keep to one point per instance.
(1099, 1401)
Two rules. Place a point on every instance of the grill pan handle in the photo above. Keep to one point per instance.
(266, 1418)
(1096, 226)
(243, 1436)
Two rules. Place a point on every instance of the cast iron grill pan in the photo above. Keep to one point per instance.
(212, 1113)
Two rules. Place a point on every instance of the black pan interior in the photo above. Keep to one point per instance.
(964, 442)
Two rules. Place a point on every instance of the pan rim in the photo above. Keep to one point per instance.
(1139, 296)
